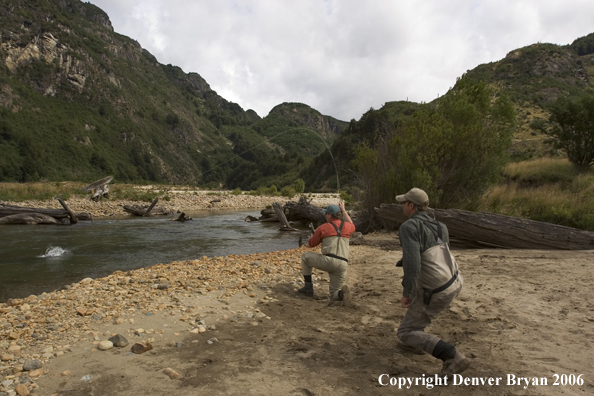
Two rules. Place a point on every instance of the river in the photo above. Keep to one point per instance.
(42, 258)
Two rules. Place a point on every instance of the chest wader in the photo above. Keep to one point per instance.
(439, 269)
(336, 247)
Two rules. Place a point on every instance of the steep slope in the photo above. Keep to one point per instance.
(79, 101)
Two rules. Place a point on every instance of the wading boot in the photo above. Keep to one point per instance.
(345, 295)
(307, 289)
(456, 365)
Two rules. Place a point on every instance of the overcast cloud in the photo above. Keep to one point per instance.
(340, 57)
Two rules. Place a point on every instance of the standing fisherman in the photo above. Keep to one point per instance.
(334, 237)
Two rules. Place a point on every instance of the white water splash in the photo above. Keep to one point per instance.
(54, 252)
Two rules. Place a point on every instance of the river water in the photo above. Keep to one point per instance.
(42, 258)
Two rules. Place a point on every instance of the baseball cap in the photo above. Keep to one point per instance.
(332, 209)
(416, 196)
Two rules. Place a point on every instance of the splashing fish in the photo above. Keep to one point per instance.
(54, 251)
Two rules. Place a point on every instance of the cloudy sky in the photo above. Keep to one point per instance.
(341, 57)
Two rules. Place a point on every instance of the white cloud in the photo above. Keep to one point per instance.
(341, 57)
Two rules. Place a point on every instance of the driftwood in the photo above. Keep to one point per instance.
(145, 211)
(99, 188)
(182, 217)
(280, 214)
(304, 212)
(73, 218)
(268, 215)
(39, 215)
(472, 229)
(29, 218)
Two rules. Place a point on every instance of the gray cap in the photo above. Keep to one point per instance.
(416, 196)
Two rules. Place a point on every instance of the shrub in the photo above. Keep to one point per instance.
(573, 129)
(288, 192)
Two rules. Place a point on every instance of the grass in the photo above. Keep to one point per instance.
(18, 192)
(545, 189)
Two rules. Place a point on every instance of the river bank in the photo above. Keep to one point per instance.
(178, 201)
(234, 325)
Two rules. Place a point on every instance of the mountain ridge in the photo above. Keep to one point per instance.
(79, 100)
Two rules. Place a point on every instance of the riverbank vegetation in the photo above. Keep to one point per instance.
(544, 189)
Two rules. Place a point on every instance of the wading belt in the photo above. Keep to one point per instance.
(427, 293)
(338, 230)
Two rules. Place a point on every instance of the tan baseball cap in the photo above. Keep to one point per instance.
(416, 196)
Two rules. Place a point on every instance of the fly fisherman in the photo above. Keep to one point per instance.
(431, 281)
(334, 237)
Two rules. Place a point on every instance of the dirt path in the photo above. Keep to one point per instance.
(522, 313)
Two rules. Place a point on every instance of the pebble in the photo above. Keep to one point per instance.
(141, 347)
(33, 364)
(14, 349)
(119, 341)
(22, 390)
(105, 345)
(171, 373)
(35, 373)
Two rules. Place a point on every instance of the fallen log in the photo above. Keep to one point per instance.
(59, 214)
(280, 214)
(304, 212)
(30, 219)
(472, 229)
(73, 218)
(144, 211)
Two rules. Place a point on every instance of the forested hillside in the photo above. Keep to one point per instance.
(79, 101)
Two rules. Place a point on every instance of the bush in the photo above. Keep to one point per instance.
(573, 129)
(288, 192)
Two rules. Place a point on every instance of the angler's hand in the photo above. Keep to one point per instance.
(405, 301)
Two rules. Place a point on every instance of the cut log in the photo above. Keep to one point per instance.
(29, 218)
(472, 229)
(280, 214)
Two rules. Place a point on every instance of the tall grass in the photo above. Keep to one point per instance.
(545, 189)
(18, 192)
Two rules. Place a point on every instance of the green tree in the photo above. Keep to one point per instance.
(453, 149)
(573, 129)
